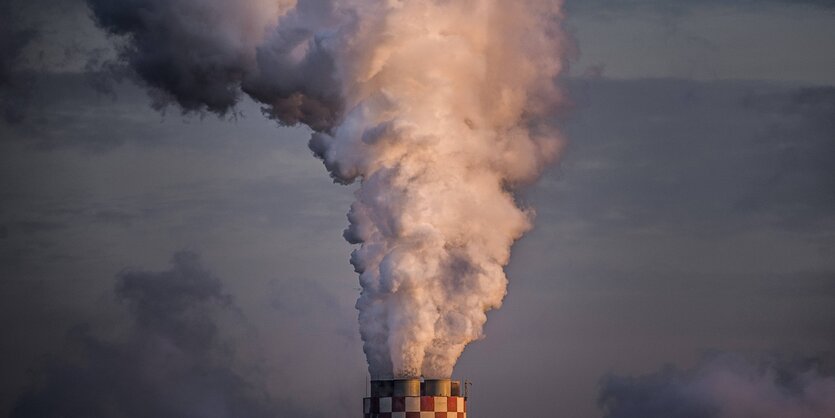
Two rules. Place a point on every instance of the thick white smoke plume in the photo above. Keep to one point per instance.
(438, 107)
(441, 99)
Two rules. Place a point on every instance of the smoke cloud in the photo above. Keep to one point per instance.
(190, 51)
(438, 108)
(171, 362)
(725, 386)
(201, 54)
(444, 103)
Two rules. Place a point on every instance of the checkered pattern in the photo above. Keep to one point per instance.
(415, 407)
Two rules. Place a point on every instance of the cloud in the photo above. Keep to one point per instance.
(115, 217)
(684, 6)
(698, 157)
(35, 226)
(725, 386)
(815, 105)
(171, 361)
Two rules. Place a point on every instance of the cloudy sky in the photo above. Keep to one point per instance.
(155, 263)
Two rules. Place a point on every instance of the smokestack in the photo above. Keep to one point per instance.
(406, 387)
(438, 387)
(411, 398)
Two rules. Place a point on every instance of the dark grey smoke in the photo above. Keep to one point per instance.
(298, 89)
(186, 60)
(201, 54)
(171, 361)
(725, 386)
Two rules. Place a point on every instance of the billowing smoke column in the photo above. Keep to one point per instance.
(438, 107)
(440, 101)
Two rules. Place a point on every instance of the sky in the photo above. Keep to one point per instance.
(682, 264)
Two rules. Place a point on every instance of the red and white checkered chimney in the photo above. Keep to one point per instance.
(411, 398)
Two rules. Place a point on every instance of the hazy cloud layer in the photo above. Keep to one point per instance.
(725, 386)
(170, 362)
(706, 40)
(15, 36)
(681, 154)
(682, 6)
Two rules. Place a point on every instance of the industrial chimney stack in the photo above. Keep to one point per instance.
(413, 398)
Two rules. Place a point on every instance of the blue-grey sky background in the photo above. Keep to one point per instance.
(693, 211)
